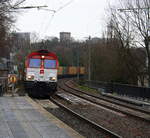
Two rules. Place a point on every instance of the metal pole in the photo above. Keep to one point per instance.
(13, 89)
(78, 61)
(148, 25)
(89, 59)
(128, 31)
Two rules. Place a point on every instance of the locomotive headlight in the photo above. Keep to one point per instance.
(52, 78)
(43, 57)
(30, 77)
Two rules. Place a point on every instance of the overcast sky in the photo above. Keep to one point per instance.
(81, 17)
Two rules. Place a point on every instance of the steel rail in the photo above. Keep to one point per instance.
(107, 106)
(109, 100)
(96, 126)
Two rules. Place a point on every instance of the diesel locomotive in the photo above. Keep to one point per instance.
(41, 69)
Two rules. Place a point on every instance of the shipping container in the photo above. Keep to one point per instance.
(82, 70)
(72, 70)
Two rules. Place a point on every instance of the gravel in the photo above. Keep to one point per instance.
(124, 125)
(80, 126)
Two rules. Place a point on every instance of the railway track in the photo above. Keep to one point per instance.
(93, 124)
(103, 95)
(104, 131)
(110, 98)
(108, 103)
(105, 117)
(127, 120)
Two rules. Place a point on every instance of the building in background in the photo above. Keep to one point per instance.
(65, 36)
(95, 40)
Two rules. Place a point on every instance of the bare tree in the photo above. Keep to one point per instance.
(7, 8)
(140, 19)
(130, 25)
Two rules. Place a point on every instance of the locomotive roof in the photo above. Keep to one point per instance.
(42, 52)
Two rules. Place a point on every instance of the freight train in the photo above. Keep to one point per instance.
(71, 71)
(42, 71)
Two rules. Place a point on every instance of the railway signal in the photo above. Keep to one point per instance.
(12, 79)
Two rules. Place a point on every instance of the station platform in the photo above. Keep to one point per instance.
(21, 117)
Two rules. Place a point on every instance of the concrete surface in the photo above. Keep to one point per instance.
(21, 117)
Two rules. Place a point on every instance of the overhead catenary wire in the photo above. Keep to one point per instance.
(49, 23)
(65, 5)
(16, 7)
(52, 16)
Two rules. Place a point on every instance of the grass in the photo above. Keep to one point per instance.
(86, 88)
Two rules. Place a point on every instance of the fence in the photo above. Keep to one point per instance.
(122, 89)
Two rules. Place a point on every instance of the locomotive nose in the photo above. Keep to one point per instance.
(42, 71)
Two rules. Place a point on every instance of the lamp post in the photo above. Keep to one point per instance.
(89, 58)
(78, 63)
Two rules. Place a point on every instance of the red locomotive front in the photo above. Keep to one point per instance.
(41, 69)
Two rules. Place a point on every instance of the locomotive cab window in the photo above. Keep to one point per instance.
(35, 63)
(49, 63)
